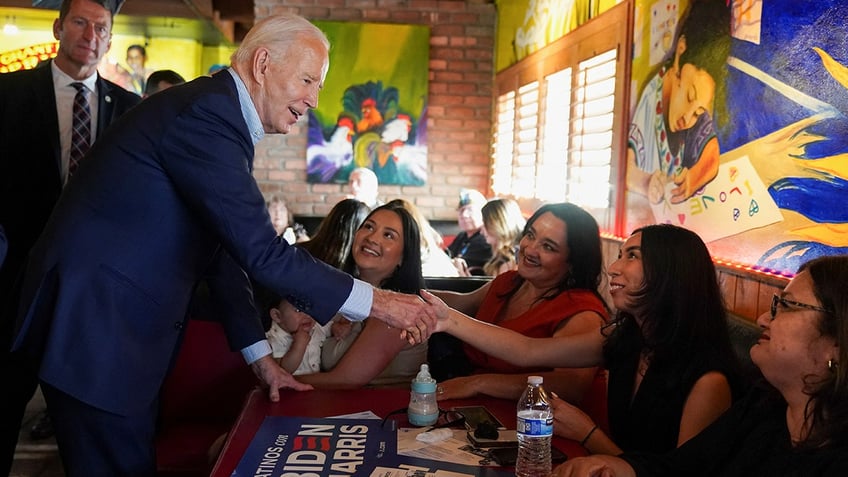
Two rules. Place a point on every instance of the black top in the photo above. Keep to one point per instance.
(650, 420)
(749, 440)
(474, 250)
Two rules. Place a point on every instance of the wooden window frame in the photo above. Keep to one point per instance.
(612, 29)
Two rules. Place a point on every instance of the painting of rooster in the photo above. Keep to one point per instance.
(373, 110)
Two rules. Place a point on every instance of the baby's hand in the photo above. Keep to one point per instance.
(302, 333)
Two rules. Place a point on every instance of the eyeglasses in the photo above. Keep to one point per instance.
(775, 300)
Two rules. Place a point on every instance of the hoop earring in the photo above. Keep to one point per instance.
(832, 365)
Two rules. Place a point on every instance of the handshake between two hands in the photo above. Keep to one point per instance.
(418, 317)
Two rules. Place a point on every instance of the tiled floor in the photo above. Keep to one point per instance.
(35, 458)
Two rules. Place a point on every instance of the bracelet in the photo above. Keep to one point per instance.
(591, 431)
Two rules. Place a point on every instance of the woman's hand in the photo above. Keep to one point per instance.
(569, 421)
(461, 266)
(456, 388)
(340, 328)
(439, 309)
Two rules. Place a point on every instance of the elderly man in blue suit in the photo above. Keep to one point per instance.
(165, 198)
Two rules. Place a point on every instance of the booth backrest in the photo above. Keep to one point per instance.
(457, 284)
(743, 335)
(200, 400)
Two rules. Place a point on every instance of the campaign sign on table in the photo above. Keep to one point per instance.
(294, 446)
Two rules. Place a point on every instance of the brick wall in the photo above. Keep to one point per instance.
(462, 35)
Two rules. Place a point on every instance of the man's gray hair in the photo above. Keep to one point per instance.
(277, 33)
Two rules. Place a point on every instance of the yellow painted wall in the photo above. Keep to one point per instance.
(524, 26)
(189, 58)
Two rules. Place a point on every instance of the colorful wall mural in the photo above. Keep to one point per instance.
(372, 111)
(525, 26)
(752, 155)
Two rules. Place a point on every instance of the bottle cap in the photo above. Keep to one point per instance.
(424, 383)
(534, 380)
(424, 375)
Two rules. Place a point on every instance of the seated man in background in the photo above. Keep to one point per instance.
(364, 187)
(469, 249)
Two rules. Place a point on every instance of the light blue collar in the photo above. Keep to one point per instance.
(248, 110)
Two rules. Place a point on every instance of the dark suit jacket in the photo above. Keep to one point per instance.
(143, 220)
(4, 245)
(30, 164)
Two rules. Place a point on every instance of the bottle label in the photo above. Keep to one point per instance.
(535, 427)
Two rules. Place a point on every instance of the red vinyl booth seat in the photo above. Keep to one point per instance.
(200, 400)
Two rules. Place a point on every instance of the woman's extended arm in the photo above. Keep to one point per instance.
(368, 356)
(468, 302)
(570, 383)
(583, 350)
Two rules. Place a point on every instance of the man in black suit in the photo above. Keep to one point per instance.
(35, 130)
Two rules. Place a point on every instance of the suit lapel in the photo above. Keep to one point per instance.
(45, 97)
(105, 105)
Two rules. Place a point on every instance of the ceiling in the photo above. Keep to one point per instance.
(210, 21)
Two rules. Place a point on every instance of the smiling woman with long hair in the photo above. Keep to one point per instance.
(386, 253)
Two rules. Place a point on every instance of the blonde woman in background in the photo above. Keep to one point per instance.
(503, 224)
(434, 261)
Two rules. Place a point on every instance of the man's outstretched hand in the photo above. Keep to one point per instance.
(274, 377)
(409, 313)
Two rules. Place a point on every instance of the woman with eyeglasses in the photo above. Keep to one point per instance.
(672, 370)
(795, 423)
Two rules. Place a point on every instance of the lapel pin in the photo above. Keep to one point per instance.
(108, 99)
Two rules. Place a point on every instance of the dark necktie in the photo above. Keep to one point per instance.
(81, 134)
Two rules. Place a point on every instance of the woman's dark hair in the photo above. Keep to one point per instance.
(583, 240)
(827, 408)
(407, 277)
(706, 27)
(334, 238)
(680, 306)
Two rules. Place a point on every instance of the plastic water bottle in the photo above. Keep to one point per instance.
(423, 410)
(534, 428)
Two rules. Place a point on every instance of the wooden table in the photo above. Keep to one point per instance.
(324, 403)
